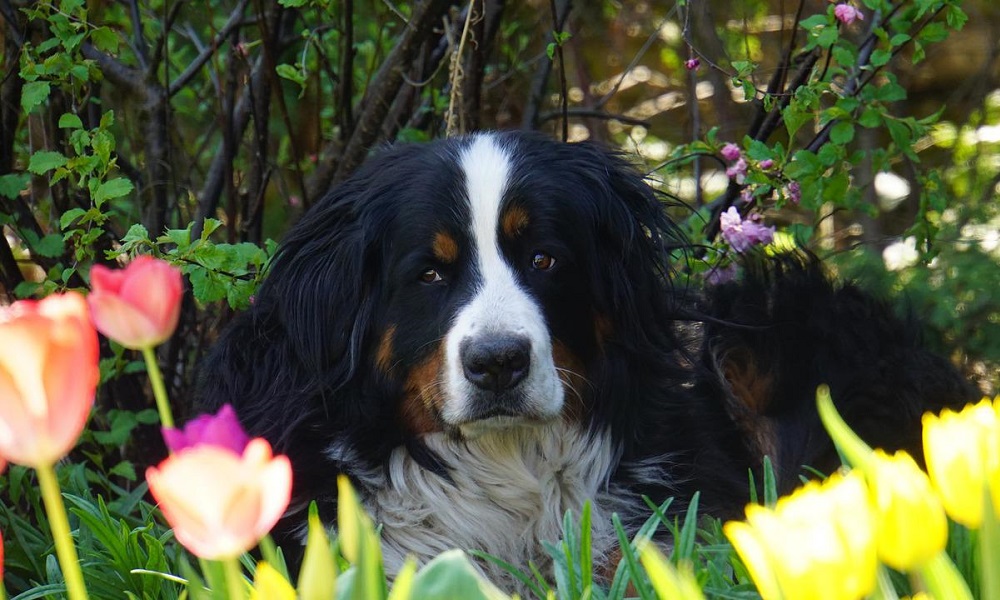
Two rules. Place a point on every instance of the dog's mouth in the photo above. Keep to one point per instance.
(498, 423)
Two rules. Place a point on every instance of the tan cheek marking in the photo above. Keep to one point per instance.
(445, 248)
(423, 395)
(571, 373)
(514, 221)
(383, 356)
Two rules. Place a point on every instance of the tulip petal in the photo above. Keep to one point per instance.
(122, 322)
(219, 503)
(137, 306)
(48, 360)
(154, 287)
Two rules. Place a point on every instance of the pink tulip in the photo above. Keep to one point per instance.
(137, 306)
(222, 429)
(48, 377)
(220, 492)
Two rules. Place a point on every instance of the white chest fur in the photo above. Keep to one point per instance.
(509, 493)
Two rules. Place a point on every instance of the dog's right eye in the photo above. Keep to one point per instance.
(431, 276)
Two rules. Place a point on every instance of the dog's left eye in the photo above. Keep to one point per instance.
(542, 261)
(431, 276)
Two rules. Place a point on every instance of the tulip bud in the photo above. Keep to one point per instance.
(137, 306)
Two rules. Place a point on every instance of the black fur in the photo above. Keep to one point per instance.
(299, 366)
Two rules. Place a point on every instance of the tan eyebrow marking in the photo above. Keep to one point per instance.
(445, 247)
(514, 221)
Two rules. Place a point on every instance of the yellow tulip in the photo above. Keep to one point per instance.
(817, 543)
(269, 584)
(963, 458)
(910, 523)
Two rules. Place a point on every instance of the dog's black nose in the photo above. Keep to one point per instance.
(496, 363)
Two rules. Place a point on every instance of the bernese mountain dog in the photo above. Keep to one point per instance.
(485, 332)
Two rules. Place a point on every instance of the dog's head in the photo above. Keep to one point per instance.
(465, 285)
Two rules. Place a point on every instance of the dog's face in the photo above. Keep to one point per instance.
(487, 320)
(473, 280)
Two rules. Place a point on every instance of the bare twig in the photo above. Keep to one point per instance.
(591, 113)
(235, 19)
(382, 90)
(454, 124)
(345, 88)
(541, 80)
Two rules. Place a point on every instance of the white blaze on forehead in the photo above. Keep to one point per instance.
(499, 305)
(487, 170)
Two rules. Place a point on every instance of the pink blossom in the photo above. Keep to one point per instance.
(720, 275)
(847, 14)
(222, 429)
(691, 64)
(794, 192)
(738, 171)
(747, 195)
(731, 152)
(741, 233)
(766, 164)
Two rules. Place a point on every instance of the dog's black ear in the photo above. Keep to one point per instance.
(301, 341)
(634, 237)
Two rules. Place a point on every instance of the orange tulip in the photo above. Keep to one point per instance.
(218, 502)
(48, 377)
(137, 306)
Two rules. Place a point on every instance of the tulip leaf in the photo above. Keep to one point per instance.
(402, 586)
(668, 581)
(451, 575)
(318, 577)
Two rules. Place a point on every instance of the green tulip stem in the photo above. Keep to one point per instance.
(234, 579)
(159, 390)
(943, 580)
(989, 549)
(59, 524)
(853, 448)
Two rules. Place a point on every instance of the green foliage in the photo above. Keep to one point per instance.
(216, 271)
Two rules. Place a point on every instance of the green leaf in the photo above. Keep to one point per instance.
(794, 118)
(113, 188)
(49, 246)
(318, 576)
(12, 184)
(293, 3)
(34, 93)
(105, 39)
(827, 37)
(206, 286)
(44, 161)
(124, 469)
(450, 575)
(842, 132)
(180, 237)
(870, 117)
(814, 21)
(70, 121)
(890, 92)
(880, 57)
(291, 73)
(69, 216)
